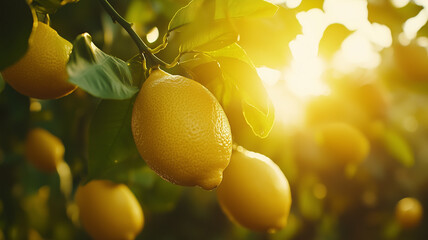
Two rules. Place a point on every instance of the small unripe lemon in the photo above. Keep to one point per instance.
(181, 130)
(109, 211)
(41, 72)
(343, 142)
(409, 212)
(254, 192)
(44, 150)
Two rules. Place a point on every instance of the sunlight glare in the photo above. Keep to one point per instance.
(293, 3)
(423, 42)
(269, 76)
(288, 108)
(278, 2)
(313, 23)
(304, 77)
(380, 35)
(153, 35)
(423, 3)
(357, 51)
(400, 3)
(414, 24)
(350, 13)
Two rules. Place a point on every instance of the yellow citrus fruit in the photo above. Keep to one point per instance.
(44, 150)
(33, 235)
(254, 192)
(181, 130)
(324, 109)
(343, 142)
(409, 212)
(109, 211)
(41, 72)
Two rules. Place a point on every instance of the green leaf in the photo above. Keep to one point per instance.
(398, 147)
(221, 9)
(162, 196)
(16, 24)
(206, 70)
(112, 150)
(261, 123)
(210, 36)
(332, 39)
(236, 71)
(137, 67)
(101, 75)
(1, 83)
(205, 25)
(142, 177)
(50, 6)
(155, 193)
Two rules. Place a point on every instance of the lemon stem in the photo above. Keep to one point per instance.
(142, 47)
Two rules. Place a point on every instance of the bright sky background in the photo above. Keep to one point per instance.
(360, 50)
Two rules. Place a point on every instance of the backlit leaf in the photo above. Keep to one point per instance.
(221, 9)
(205, 25)
(234, 72)
(99, 74)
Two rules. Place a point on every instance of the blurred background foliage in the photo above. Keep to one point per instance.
(360, 63)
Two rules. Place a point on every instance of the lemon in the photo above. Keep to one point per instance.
(44, 150)
(181, 130)
(343, 142)
(109, 211)
(254, 192)
(408, 212)
(41, 72)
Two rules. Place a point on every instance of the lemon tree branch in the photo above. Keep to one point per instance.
(142, 47)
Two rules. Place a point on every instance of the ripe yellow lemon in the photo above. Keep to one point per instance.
(44, 150)
(41, 72)
(109, 211)
(254, 192)
(343, 142)
(181, 130)
(409, 212)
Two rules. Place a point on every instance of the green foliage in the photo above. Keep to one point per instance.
(330, 201)
(238, 75)
(160, 195)
(1, 83)
(16, 24)
(309, 206)
(398, 147)
(99, 74)
(112, 151)
(219, 10)
(50, 6)
(207, 25)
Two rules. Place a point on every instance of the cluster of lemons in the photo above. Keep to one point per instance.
(183, 134)
(180, 130)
